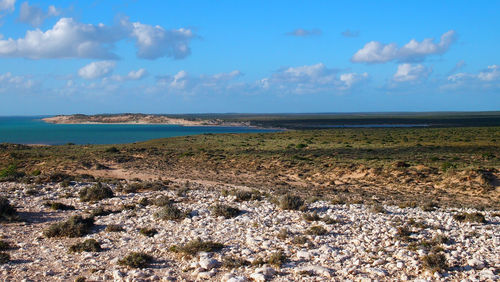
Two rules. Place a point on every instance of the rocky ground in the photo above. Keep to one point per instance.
(324, 241)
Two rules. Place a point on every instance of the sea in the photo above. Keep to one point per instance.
(33, 130)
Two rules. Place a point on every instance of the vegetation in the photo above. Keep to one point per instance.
(7, 211)
(225, 211)
(89, 245)
(232, 262)
(96, 192)
(58, 206)
(290, 202)
(136, 260)
(277, 258)
(171, 212)
(4, 257)
(114, 228)
(195, 246)
(75, 226)
(435, 262)
(148, 232)
(4, 245)
(270, 160)
(317, 230)
(470, 217)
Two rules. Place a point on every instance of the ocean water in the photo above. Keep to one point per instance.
(32, 130)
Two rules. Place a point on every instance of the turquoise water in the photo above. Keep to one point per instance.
(32, 130)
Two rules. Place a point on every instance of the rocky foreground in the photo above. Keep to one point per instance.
(260, 241)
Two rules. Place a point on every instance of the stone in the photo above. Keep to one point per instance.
(208, 263)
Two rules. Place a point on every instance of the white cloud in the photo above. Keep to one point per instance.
(132, 75)
(71, 39)
(349, 79)
(9, 82)
(96, 69)
(488, 78)
(7, 5)
(376, 52)
(153, 42)
(300, 32)
(408, 73)
(490, 74)
(34, 15)
(310, 79)
(185, 83)
(350, 33)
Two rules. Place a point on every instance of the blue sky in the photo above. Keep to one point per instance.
(63, 57)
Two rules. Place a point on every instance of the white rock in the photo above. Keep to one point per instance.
(475, 263)
(316, 269)
(266, 270)
(258, 277)
(237, 279)
(205, 275)
(303, 255)
(208, 263)
(118, 275)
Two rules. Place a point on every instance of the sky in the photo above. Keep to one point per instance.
(65, 57)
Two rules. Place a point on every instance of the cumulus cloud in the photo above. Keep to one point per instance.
(409, 73)
(300, 32)
(71, 39)
(183, 82)
(34, 15)
(377, 52)
(488, 78)
(132, 75)
(310, 79)
(350, 33)
(7, 5)
(9, 82)
(153, 42)
(96, 69)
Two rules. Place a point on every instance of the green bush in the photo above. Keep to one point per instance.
(4, 246)
(225, 211)
(75, 226)
(316, 230)
(58, 206)
(149, 232)
(95, 193)
(7, 211)
(4, 258)
(277, 258)
(114, 228)
(170, 212)
(231, 262)
(242, 195)
(195, 246)
(136, 260)
(89, 245)
(290, 202)
(10, 173)
(435, 262)
(470, 217)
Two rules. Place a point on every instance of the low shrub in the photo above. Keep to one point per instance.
(290, 202)
(149, 232)
(10, 173)
(4, 246)
(7, 211)
(242, 195)
(470, 217)
(58, 206)
(89, 245)
(232, 262)
(300, 240)
(114, 228)
(4, 258)
(75, 226)
(316, 230)
(197, 245)
(225, 211)
(377, 208)
(136, 260)
(171, 212)
(311, 216)
(435, 262)
(163, 201)
(100, 211)
(277, 258)
(95, 193)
